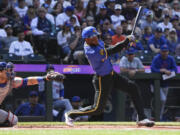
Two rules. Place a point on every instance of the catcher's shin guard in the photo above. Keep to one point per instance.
(10, 121)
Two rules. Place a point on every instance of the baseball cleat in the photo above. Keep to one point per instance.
(68, 120)
(146, 122)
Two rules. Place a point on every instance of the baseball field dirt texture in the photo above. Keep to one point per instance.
(91, 128)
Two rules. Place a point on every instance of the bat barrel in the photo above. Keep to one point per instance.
(136, 19)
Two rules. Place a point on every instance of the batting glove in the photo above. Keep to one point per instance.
(131, 38)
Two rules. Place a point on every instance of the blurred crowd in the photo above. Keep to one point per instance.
(52, 28)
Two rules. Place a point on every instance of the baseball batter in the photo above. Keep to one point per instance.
(8, 81)
(106, 79)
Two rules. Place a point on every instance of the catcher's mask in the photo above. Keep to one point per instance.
(10, 70)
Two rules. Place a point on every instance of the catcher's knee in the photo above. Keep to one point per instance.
(12, 119)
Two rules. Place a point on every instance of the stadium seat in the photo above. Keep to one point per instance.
(36, 59)
(145, 56)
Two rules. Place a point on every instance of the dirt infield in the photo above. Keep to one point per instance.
(93, 127)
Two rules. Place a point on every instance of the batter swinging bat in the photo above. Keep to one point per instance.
(137, 19)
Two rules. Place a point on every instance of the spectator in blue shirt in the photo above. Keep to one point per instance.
(31, 108)
(165, 64)
(156, 41)
(149, 22)
(147, 35)
(106, 28)
(101, 16)
(172, 40)
(137, 44)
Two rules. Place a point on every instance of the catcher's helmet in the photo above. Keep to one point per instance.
(10, 65)
(89, 32)
(2, 66)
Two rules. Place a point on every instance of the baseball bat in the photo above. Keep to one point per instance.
(138, 16)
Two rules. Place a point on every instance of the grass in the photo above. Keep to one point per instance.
(88, 132)
(97, 123)
(75, 131)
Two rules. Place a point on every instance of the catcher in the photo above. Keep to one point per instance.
(8, 81)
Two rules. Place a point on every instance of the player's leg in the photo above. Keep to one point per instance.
(7, 119)
(63, 103)
(103, 86)
(124, 84)
(163, 97)
(146, 95)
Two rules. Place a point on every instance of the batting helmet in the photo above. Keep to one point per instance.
(2, 66)
(89, 32)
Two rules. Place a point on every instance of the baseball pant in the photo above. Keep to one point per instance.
(103, 86)
(64, 103)
(7, 119)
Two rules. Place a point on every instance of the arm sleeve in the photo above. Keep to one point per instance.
(174, 66)
(50, 18)
(150, 42)
(61, 93)
(11, 48)
(18, 111)
(34, 28)
(59, 20)
(139, 45)
(140, 65)
(122, 63)
(118, 47)
(20, 82)
(154, 67)
(42, 111)
(59, 38)
(77, 21)
(26, 20)
(30, 47)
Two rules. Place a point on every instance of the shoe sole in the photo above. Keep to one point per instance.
(67, 121)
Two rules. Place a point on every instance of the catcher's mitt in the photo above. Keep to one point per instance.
(54, 76)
